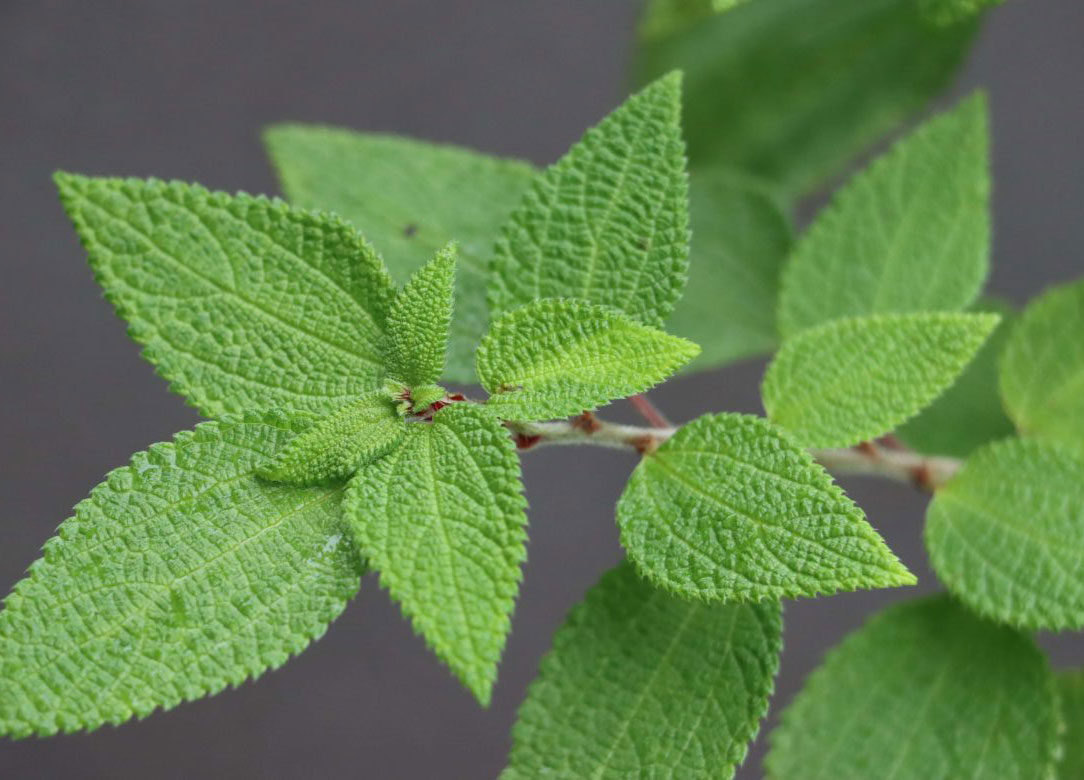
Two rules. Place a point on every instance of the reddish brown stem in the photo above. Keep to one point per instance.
(655, 418)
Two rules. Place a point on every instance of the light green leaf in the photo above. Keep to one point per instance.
(419, 319)
(953, 11)
(771, 86)
(240, 302)
(968, 414)
(741, 236)
(553, 358)
(336, 446)
(1006, 534)
(909, 233)
(731, 509)
(924, 690)
(1042, 368)
(640, 684)
(666, 17)
(180, 574)
(410, 198)
(442, 520)
(1071, 695)
(855, 379)
(608, 223)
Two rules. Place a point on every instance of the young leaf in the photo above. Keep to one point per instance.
(1071, 696)
(910, 233)
(410, 198)
(924, 690)
(1042, 369)
(554, 357)
(855, 379)
(442, 520)
(180, 574)
(770, 86)
(640, 684)
(968, 414)
(608, 223)
(741, 236)
(418, 322)
(732, 509)
(339, 444)
(240, 302)
(1007, 533)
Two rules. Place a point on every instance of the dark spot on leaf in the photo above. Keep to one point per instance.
(410, 229)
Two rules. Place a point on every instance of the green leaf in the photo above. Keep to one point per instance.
(909, 233)
(1006, 534)
(180, 574)
(1042, 369)
(770, 87)
(608, 223)
(968, 414)
(666, 17)
(741, 237)
(419, 319)
(240, 302)
(732, 509)
(410, 198)
(953, 11)
(339, 444)
(855, 379)
(442, 520)
(640, 684)
(924, 690)
(553, 358)
(1071, 695)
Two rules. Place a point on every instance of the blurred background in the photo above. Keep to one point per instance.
(181, 90)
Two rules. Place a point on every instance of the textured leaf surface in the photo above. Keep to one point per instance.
(240, 302)
(1042, 369)
(924, 690)
(419, 319)
(770, 86)
(855, 379)
(1006, 535)
(909, 233)
(410, 198)
(968, 414)
(180, 574)
(334, 447)
(741, 237)
(731, 509)
(608, 223)
(553, 358)
(1071, 695)
(442, 520)
(641, 684)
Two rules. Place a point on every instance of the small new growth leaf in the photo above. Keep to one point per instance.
(554, 358)
(339, 444)
(857, 378)
(240, 302)
(442, 519)
(608, 223)
(642, 684)
(419, 320)
(731, 508)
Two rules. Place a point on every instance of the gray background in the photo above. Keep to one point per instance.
(180, 90)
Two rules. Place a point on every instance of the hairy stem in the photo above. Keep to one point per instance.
(887, 458)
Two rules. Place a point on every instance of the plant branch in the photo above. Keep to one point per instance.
(651, 413)
(890, 459)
